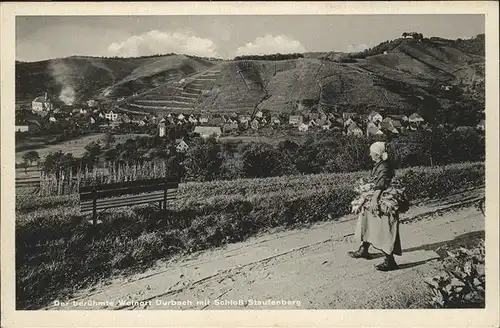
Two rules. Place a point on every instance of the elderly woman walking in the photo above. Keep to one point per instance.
(374, 228)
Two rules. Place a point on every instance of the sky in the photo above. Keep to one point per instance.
(224, 36)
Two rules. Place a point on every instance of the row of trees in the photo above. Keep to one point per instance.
(277, 56)
(209, 159)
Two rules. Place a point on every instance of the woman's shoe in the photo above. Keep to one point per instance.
(359, 254)
(387, 265)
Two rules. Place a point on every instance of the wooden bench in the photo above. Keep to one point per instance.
(120, 194)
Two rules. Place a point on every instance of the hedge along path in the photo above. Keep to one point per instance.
(420, 182)
(247, 187)
(271, 209)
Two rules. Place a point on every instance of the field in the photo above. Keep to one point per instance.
(76, 146)
(58, 251)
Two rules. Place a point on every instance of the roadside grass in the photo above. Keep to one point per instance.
(59, 252)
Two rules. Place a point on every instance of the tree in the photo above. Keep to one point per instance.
(130, 152)
(30, 157)
(204, 160)
(283, 117)
(175, 163)
(289, 146)
(112, 155)
(92, 152)
(108, 140)
(308, 158)
(266, 113)
(262, 160)
(55, 162)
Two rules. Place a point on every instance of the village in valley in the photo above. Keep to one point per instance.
(92, 116)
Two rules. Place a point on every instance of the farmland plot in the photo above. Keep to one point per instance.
(76, 147)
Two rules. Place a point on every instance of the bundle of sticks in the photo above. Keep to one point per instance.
(391, 201)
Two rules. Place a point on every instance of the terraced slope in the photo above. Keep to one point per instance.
(156, 74)
(239, 88)
(178, 94)
(399, 76)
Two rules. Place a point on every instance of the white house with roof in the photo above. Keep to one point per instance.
(415, 118)
(375, 117)
(275, 121)
(348, 115)
(354, 130)
(192, 119)
(112, 116)
(303, 127)
(415, 121)
(348, 122)
(22, 128)
(295, 120)
(204, 119)
(373, 131)
(255, 125)
(181, 146)
(41, 103)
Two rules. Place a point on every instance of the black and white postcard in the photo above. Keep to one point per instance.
(250, 164)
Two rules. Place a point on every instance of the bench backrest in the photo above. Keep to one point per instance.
(135, 192)
(127, 188)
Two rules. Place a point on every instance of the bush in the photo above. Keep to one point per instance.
(263, 160)
(462, 283)
(438, 182)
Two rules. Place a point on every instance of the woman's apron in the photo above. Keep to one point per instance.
(382, 232)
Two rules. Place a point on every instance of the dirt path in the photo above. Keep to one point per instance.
(307, 268)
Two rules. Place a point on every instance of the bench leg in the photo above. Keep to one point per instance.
(164, 200)
(94, 214)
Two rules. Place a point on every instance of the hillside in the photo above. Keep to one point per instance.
(398, 76)
(401, 76)
(104, 78)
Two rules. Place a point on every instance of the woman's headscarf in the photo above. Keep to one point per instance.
(379, 149)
